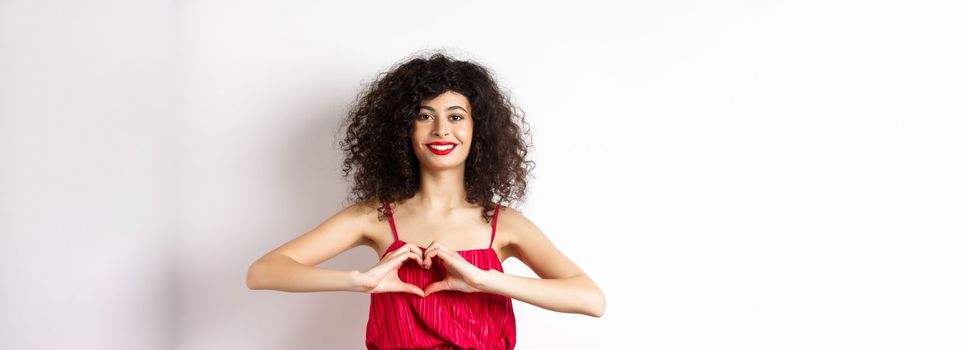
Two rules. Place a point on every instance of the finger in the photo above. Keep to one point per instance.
(396, 252)
(428, 255)
(410, 288)
(431, 256)
(441, 253)
(426, 263)
(399, 259)
(416, 250)
(437, 287)
(416, 257)
(412, 247)
(409, 247)
(435, 245)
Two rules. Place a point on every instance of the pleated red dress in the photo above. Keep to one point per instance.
(445, 319)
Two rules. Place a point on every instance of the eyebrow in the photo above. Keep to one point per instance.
(448, 108)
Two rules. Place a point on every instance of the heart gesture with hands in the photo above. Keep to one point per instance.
(383, 277)
(462, 276)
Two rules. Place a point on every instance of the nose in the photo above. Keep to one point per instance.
(440, 129)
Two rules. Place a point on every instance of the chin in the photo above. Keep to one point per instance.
(445, 164)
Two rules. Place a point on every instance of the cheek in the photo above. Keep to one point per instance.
(465, 133)
(418, 134)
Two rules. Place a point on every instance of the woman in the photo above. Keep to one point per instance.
(431, 142)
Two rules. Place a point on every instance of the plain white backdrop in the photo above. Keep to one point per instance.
(733, 174)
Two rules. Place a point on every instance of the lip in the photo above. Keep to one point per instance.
(441, 143)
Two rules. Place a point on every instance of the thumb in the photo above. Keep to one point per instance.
(410, 288)
(437, 287)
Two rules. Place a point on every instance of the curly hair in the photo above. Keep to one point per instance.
(377, 143)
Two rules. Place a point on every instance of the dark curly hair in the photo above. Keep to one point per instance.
(377, 144)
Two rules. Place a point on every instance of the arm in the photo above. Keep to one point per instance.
(562, 286)
(290, 267)
(282, 273)
(576, 294)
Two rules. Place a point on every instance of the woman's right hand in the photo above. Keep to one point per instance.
(383, 277)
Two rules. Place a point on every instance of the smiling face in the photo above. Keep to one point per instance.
(442, 131)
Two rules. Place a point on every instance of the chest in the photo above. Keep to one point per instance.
(458, 231)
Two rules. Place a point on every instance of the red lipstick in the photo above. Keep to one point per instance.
(442, 144)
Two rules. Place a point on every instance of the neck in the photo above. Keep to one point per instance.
(441, 190)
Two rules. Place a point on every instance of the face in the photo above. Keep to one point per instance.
(442, 131)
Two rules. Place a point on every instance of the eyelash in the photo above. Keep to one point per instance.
(453, 115)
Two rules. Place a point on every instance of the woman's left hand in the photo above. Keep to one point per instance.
(462, 276)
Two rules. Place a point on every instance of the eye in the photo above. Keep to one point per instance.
(423, 115)
(457, 116)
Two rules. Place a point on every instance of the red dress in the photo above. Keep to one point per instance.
(441, 320)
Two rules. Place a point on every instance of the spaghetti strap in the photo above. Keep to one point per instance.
(393, 227)
(494, 226)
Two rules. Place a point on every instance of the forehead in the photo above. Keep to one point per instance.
(446, 101)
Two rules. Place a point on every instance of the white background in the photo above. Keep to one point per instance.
(733, 174)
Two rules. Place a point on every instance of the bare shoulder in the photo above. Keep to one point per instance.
(529, 244)
(513, 227)
(350, 227)
(364, 210)
(366, 216)
(513, 219)
(509, 218)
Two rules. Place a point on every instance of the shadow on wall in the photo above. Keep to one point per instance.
(215, 309)
(321, 320)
